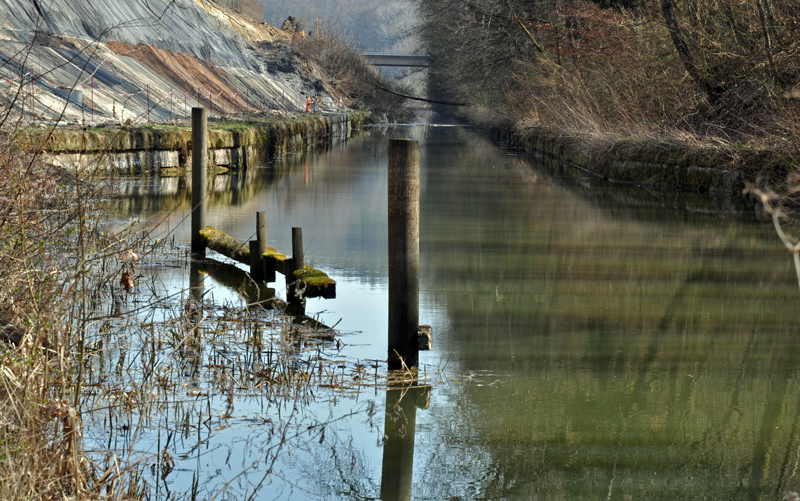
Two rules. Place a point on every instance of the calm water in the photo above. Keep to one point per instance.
(589, 341)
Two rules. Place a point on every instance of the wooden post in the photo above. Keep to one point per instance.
(297, 263)
(298, 260)
(403, 192)
(261, 231)
(199, 175)
(256, 262)
(261, 238)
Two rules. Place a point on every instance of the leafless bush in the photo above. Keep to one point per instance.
(773, 205)
(710, 68)
(50, 255)
(355, 80)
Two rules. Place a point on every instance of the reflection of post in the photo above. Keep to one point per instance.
(199, 175)
(403, 252)
(194, 307)
(398, 447)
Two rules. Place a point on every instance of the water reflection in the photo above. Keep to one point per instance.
(593, 342)
(398, 445)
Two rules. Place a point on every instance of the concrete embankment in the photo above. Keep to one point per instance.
(658, 164)
(231, 144)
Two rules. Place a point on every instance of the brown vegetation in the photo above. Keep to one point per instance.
(49, 254)
(359, 84)
(710, 69)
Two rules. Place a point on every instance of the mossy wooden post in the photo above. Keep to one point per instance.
(298, 263)
(403, 252)
(199, 175)
(258, 248)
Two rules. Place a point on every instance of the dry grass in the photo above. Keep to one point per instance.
(75, 348)
(46, 286)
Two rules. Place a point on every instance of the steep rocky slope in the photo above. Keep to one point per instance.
(143, 60)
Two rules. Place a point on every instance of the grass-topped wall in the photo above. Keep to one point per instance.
(231, 144)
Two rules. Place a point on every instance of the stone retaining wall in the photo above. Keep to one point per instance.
(136, 150)
(661, 164)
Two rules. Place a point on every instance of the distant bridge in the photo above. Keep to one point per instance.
(398, 60)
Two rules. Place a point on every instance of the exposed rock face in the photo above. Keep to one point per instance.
(174, 25)
(145, 60)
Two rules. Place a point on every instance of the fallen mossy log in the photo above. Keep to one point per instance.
(314, 282)
(226, 245)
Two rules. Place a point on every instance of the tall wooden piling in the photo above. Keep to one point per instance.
(199, 175)
(403, 253)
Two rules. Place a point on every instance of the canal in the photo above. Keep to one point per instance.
(590, 341)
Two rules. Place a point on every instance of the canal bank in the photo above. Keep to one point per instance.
(134, 150)
(660, 164)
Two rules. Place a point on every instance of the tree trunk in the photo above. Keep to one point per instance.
(686, 56)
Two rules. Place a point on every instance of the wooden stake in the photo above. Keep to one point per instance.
(261, 238)
(256, 262)
(298, 260)
(298, 263)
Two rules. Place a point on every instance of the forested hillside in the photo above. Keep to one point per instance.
(714, 68)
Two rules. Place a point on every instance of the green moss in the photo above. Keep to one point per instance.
(274, 254)
(226, 245)
(318, 284)
(277, 260)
